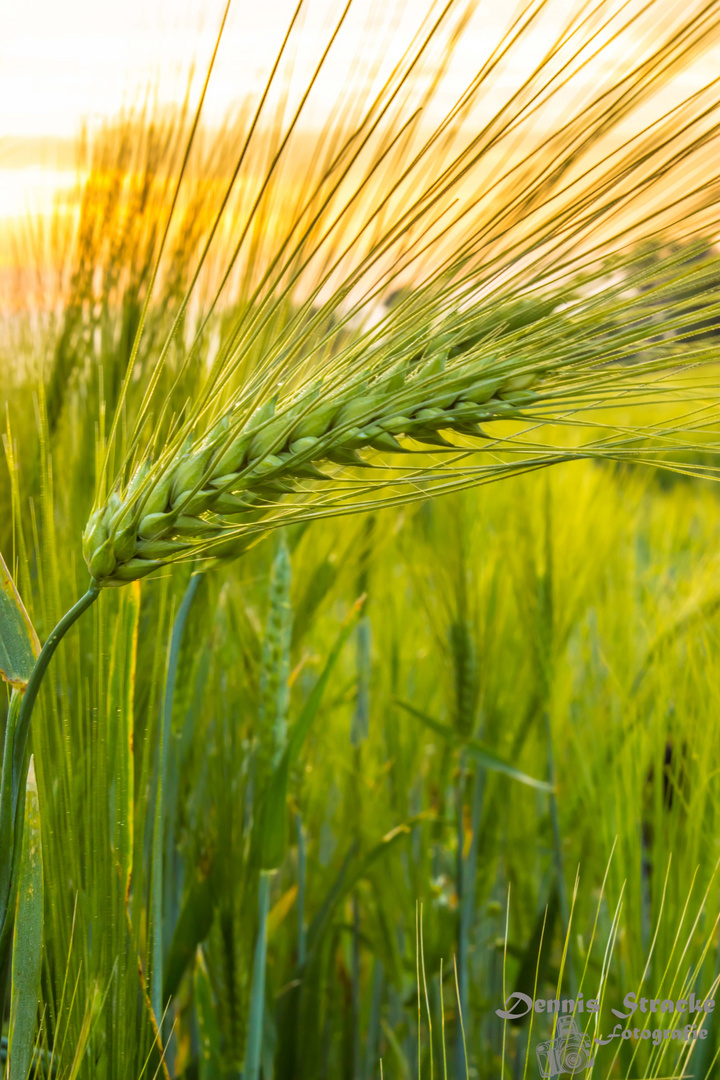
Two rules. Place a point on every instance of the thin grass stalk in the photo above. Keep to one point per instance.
(704, 1052)
(27, 943)
(146, 778)
(462, 1022)
(359, 731)
(257, 994)
(427, 999)
(6, 809)
(5, 957)
(504, 984)
(460, 887)
(417, 979)
(302, 872)
(156, 884)
(442, 1022)
(558, 859)
(645, 895)
(357, 1057)
(375, 1019)
(467, 907)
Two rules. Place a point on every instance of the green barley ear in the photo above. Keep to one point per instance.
(442, 309)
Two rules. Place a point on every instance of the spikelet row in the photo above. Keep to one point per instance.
(235, 470)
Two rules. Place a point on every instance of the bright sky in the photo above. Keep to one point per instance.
(66, 62)
(63, 62)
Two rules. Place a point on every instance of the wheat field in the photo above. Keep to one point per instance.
(359, 583)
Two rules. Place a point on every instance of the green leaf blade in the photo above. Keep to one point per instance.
(27, 942)
(210, 1061)
(6, 815)
(19, 644)
(257, 993)
(477, 750)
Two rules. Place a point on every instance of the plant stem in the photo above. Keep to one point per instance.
(6, 814)
(157, 856)
(302, 929)
(467, 876)
(253, 1052)
(23, 723)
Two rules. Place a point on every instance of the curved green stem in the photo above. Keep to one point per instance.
(23, 723)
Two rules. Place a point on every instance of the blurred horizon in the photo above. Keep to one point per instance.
(69, 68)
(84, 93)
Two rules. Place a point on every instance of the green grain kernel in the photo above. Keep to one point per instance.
(154, 525)
(103, 561)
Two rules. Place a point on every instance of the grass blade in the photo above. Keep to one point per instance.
(193, 926)
(19, 644)
(157, 856)
(477, 750)
(122, 691)
(6, 820)
(257, 994)
(210, 1063)
(302, 875)
(27, 941)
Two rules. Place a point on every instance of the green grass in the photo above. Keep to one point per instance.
(632, 595)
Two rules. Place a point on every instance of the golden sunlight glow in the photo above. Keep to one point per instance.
(65, 65)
